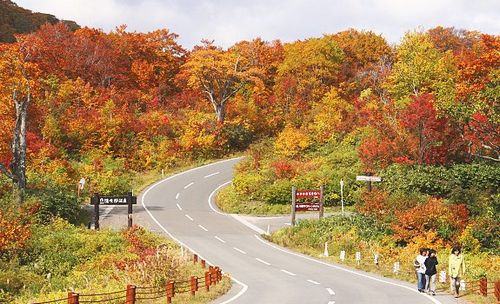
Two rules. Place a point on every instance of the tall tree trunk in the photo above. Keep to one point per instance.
(18, 165)
(220, 113)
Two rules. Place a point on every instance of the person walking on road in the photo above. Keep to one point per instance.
(431, 272)
(419, 265)
(456, 269)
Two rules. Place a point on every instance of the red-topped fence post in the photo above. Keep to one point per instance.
(483, 287)
(193, 283)
(195, 258)
(497, 290)
(73, 298)
(130, 299)
(207, 280)
(170, 291)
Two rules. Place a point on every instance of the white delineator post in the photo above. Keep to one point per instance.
(342, 255)
(395, 269)
(442, 277)
(325, 253)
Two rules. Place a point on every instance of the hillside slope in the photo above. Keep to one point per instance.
(18, 20)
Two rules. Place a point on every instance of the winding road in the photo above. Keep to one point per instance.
(182, 206)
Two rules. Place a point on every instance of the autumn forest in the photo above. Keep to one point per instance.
(112, 107)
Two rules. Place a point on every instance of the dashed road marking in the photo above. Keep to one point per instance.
(313, 282)
(239, 250)
(331, 302)
(177, 196)
(215, 173)
(179, 206)
(263, 262)
(203, 227)
(288, 272)
(188, 185)
(219, 239)
(330, 291)
(190, 218)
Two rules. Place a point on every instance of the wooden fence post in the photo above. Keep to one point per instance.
(73, 298)
(130, 299)
(193, 285)
(207, 280)
(203, 264)
(170, 291)
(497, 290)
(483, 287)
(195, 258)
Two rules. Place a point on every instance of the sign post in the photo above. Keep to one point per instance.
(96, 211)
(294, 202)
(321, 202)
(342, 195)
(369, 179)
(98, 200)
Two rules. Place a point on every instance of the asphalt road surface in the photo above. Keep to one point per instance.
(182, 206)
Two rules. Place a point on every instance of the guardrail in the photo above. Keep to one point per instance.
(484, 288)
(137, 294)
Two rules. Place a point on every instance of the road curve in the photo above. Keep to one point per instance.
(182, 207)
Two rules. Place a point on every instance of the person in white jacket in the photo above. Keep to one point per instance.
(420, 268)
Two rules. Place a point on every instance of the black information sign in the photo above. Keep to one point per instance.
(98, 200)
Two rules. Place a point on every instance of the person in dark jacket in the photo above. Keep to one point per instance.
(431, 272)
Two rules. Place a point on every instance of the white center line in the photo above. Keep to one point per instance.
(263, 262)
(187, 215)
(288, 272)
(314, 282)
(207, 176)
(203, 227)
(331, 302)
(188, 185)
(179, 206)
(239, 250)
(330, 291)
(177, 196)
(221, 240)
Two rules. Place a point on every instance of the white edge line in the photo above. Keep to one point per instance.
(331, 302)
(313, 282)
(249, 225)
(210, 198)
(177, 195)
(239, 250)
(188, 185)
(221, 240)
(243, 285)
(179, 206)
(190, 218)
(330, 291)
(347, 270)
(288, 272)
(263, 262)
(203, 227)
(210, 175)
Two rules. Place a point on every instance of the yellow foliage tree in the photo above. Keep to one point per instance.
(292, 141)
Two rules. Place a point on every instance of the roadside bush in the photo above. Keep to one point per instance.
(441, 181)
(279, 192)
(249, 184)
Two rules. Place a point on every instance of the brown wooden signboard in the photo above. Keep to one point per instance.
(307, 200)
